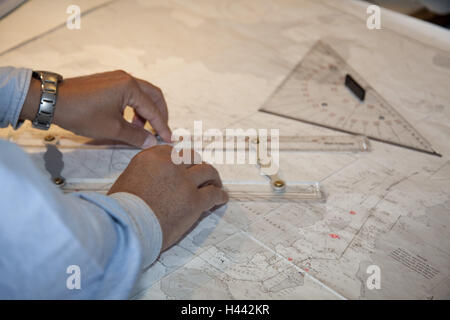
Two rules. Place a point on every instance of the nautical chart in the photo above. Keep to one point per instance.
(219, 62)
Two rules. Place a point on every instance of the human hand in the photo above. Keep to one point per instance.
(177, 194)
(93, 106)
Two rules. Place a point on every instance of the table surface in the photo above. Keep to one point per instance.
(219, 62)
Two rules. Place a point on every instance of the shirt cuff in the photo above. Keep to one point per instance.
(145, 222)
(14, 85)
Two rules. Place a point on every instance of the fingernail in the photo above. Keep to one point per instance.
(150, 141)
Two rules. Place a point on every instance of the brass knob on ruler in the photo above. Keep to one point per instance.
(279, 185)
(49, 138)
(59, 181)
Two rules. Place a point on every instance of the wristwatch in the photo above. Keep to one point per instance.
(49, 93)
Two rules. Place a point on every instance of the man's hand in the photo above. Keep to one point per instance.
(177, 194)
(93, 106)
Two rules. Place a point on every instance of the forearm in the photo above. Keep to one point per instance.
(43, 232)
(91, 105)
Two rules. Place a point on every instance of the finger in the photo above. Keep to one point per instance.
(156, 95)
(136, 136)
(204, 174)
(145, 107)
(212, 196)
(138, 120)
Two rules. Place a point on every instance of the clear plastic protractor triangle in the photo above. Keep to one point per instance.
(315, 92)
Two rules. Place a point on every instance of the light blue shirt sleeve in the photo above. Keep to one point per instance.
(14, 84)
(50, 242)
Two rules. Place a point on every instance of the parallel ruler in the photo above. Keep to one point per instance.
(339, 143)
(243, 191)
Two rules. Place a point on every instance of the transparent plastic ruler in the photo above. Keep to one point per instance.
(55, 144)
(291, 192)
(66, 140)
(324, 90)
(347, 143)
(242, 192)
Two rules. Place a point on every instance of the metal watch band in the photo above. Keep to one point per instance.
(49, 93)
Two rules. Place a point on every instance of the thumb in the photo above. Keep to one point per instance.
(136, 136)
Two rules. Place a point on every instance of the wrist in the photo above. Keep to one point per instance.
(31, 103)
(61, 117)
(145, 223)
(40, 103)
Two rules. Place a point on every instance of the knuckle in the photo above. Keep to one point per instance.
(162, 152)
(156, 154)
(127, 78)
(213, 171)
(225, 195)
(159, 91)
(132, 82)
(155, 89)
(122, 73)
(164, 149)
(142, 156)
